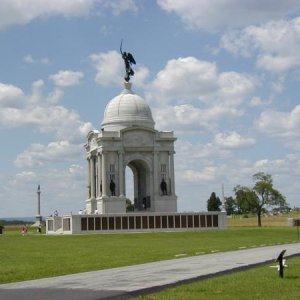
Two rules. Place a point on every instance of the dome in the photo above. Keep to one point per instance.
(127, 110)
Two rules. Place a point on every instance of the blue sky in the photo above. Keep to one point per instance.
(224, 75)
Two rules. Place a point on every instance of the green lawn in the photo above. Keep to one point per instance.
(261, 283)
(34, 256)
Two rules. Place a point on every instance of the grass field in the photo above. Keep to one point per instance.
(261, 283)
(37, 256)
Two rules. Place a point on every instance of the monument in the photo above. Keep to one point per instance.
(128, 138)
(38, 217)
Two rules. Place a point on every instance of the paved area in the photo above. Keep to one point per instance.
(128, 282)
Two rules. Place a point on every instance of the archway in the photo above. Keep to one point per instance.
(141, 184)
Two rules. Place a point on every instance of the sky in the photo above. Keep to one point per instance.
(223, 75)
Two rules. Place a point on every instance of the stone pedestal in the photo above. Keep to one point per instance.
(165, 204)
(38, 221)
(113, 204)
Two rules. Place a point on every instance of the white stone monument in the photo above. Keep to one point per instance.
(128, 138)
(38, 217)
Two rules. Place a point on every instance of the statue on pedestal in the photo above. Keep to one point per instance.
(128, 60)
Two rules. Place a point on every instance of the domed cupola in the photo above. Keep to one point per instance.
(127, 110)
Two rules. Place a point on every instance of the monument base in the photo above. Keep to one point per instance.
(111, 204)
(38, 221)
(135, 222)
(165, 203)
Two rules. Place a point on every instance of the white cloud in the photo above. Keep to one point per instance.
(120, 6)
(25, 177)
(257, 101)
(207, 174)
(55, 96)
(63, 189)
(275, 44)
(140, 77)
(40, 114)
(235, 87)
(28, 59)
(283, 126)
(109, 67)
(11, 96)
(185, 78)
(66, 78)
(40, 155)
(76, 170)
(14, 12)
(233, 140)
(280, 124)
(19, 12)
(189, 79)
(188, 117)
(212, 15)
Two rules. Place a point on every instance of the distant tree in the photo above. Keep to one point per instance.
(129, 205)
(245, 200)
(213, 203)
(262, 195)
(230, 206)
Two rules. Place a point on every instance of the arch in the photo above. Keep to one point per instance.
(142, 186)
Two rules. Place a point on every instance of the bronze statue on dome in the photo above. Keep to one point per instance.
(128, 60)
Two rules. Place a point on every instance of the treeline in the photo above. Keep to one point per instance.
(258, 199)
(14, 222)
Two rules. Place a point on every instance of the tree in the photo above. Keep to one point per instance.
(129, 205)
(213, 203)
(262, 195)
(245, 200)
(230, 205)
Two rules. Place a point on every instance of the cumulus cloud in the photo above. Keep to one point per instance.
(40, 155)
(28, 59)
(56, 120)
(233, 140)
(190, 79)
(11, 96)
(257, 101)
(62, 189)
(280, 124)
(185, 78)
(35, 112)
(25, 176)
(120, 6)
(19, 12)
(207, 174)
(109, 67)
(215, 15)
(235, 87)
(275, 44)
(66, 78)
(14, 12)
(188, 117)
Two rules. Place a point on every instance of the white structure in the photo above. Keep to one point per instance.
(38, 217)
(128, 138)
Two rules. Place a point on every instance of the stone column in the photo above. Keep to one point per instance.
(155, 173)
(172, 173)
(38, 211)
(121, 174)
(99, 173)
(92, 172)
(104, 175)
(89, 176)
